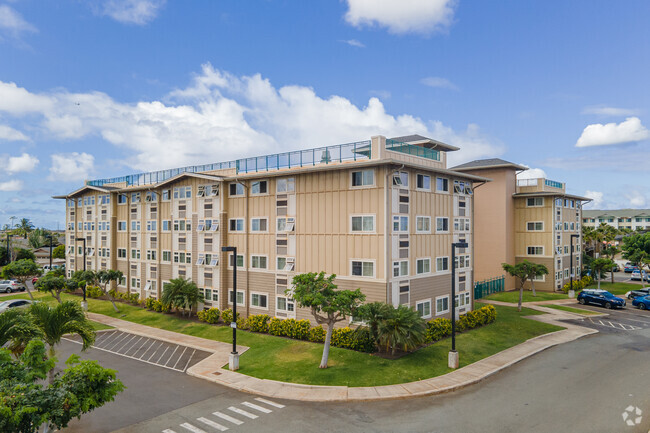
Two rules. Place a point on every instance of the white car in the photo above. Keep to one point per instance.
(14, 303)
(9, 286)
(636, 276)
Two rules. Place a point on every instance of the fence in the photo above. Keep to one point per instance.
(487, 287)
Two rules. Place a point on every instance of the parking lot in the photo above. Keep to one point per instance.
(144, 349)
(628, 319)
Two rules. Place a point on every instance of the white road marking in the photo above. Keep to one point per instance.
(192, 428)
(256, 407)
(134, 345)
(242, 412)
(163, 354)
(155, 351)
(127, 342)
(228, 418)
(172, 355)
(272, 403)
(168, 431)
(188, 360)
(153, 343)
(212, 424)
(118, 340)
(179, 358)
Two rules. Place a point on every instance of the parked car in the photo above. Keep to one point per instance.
(14, 303)
(638, 292)
(10, 286)
(629, 268)
(643, 302)
(34, 280)
(600, 297)
(616, 268)
(639, 276)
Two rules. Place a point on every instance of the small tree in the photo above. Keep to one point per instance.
(521, 271)
(24, 227)
(181, 294)
(22, 270)
(600, 265)
(16, 330)
(58, 252)
(404, 329)
(85, 278)
(105, 277)
(373, 315)
(22, 254)
(611, 251)
(536, 270)
(328, 305)
(53, 284)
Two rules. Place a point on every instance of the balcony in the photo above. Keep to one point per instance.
(539, 185)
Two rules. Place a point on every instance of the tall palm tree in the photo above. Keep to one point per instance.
(24, 227)
(404, 329)
(55, 322)
(372, 315)
(17, 329)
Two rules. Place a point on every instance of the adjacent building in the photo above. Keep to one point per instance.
(526, 219)
(632, 219)
(381, 214)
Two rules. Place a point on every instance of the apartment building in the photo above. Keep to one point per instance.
(381, 214)
(527, 219)
(632, 219)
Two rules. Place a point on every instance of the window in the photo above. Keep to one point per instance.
(258, 262)
(284, 304)
(442, 224)
(535, 201)
(442, 184)
(182, 257)
(259, 300)
(401, 268)
(442, 264)
(165, 195)
(258, 224)
(535, 226)
(150, 196)
(424, 308)
(240, 260)
(121, 253)
(152, 225)
(135, 197)
(121, 226)
(259, 187)
(535, 251)
(240, 297)
(135, 226)
(363, 223)
(423, 181)
(236, 189)
(423, 266)
(285, 185)
(401, 178)
(166, 225)
(135, 254)
(363, 178)
(442, 305)
(423, 224)
(121, 198)
(135, 283)
(166, 256)
(400, 223)
(151, 255)
(281, 262)
(182, 192)
(236, 225)
(363, 269)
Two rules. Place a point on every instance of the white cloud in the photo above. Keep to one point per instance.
(597, 199)
(636, 199)
(12, 23)
(71, 166)
(11, 134)
(603, 110)
(439, 82)
(11, 185)
(220, 117)
(532, 173)
(354, 43)
(22, 163)
(597, 134)
(402, 16)
(139, 12)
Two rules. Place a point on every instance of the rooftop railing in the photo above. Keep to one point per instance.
(410, 149)
(553, 184)
(301, 158)
(527, 182)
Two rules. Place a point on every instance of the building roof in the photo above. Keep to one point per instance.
(551, 194)
(87, 187)
(617, 213)
(488, 163)
(427, 142)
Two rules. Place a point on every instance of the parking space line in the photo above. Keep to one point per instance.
(212, 424)
(132, 345)
(256, 407)
(158, 362)
(113, 338)
(119, 340)
(269, 402)
(153, 343)
(127, 342)
(189, 359)
(172, 355)
(179, 358)
(141, 346)
(168, 431)
(103, 336)
(228, 418)
(191, 428)
(243, 412)
(155, 351)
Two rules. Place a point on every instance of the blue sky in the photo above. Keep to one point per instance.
(92, 89)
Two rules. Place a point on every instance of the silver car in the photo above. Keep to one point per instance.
(14, 303)
(9, 286)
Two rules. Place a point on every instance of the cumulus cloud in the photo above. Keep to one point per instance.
(597, 134)
(220, 117)
(603, 110)
(139, 12)
(402, 16)
(12, 23)
(532, 173)
(636, 199)
(597, 199)
(439, 82)
(11, 185)
(354, 43)
(22, 163)
(10, 134)
(71, 166)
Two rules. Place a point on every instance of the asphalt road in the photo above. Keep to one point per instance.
(584, 386)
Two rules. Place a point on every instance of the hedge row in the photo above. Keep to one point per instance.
(440, 328)
(578, 284)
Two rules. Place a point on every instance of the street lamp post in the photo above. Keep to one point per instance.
(8, 249)
(84, 303)
(453, 360)
(233, 359)
(50, 236)
(572, 273)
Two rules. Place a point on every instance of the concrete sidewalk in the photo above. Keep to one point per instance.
(212, 369)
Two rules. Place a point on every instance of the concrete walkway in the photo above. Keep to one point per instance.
(212, 369)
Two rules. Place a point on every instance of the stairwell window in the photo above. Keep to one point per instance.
(400, 223)
(401, 268)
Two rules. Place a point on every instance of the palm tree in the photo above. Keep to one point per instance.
(24, 227)
(55, 322)
(600, 265)
(181, 294)
(404, 329)
(611, 251)
(17, 329)
(372, 315)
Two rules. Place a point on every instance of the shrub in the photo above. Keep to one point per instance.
(437, 329)
(587, 280)
(94, 292)
(209, 316)
(359, 339)
(159, 307)
(275, 327)
(298, 329)
(148, 303)
(259, 323)
(317, 334)
(226, 316)
(578, 284)
(242, 323)
(133, 298)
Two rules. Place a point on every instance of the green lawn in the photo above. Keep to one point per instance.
(571, 309)
(513, 296)
(100, 326)
(616, 288)
(288, 360)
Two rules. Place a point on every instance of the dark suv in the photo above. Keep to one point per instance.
(600, 297)
(638, 292)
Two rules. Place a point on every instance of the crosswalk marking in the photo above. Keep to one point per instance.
(191, 428)
(256, 407)
(212, 424)
(228, 418)
(242, 412)
(272, 403)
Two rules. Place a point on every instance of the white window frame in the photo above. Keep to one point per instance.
(243, 297)
(443, 270)
(417, 177)
(535, 223)
(422, 302)
(534, 246)
(259, 294)
(238, 192)
(399, 265)
(363, 219)
(285, 185)
(259, 182)
(288, 302)
(259, 222)
(258, 257)
(363, 184)
(423, 260)
(237, 221)
(399, 219)
(444, 191)
(362, 261)
(535, 201)
(243, 266)
(442, 231)
(441, 312)
(423, 218)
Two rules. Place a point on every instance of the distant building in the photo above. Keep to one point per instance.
(633, 219)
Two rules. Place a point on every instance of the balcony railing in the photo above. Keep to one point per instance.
(410, 149)
(527, 182)
(553, 184)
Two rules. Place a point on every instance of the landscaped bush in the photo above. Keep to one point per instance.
(94, 292)
(298, 329)
(275, 327)
(209, 316)
(577, 285)
(242, 323)
(160, 307)
(440, 328)
(358, 339)
(317, 334)
(587, 280)
(259, 323)
(437, 329)
(226, 316)
(148, 303)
